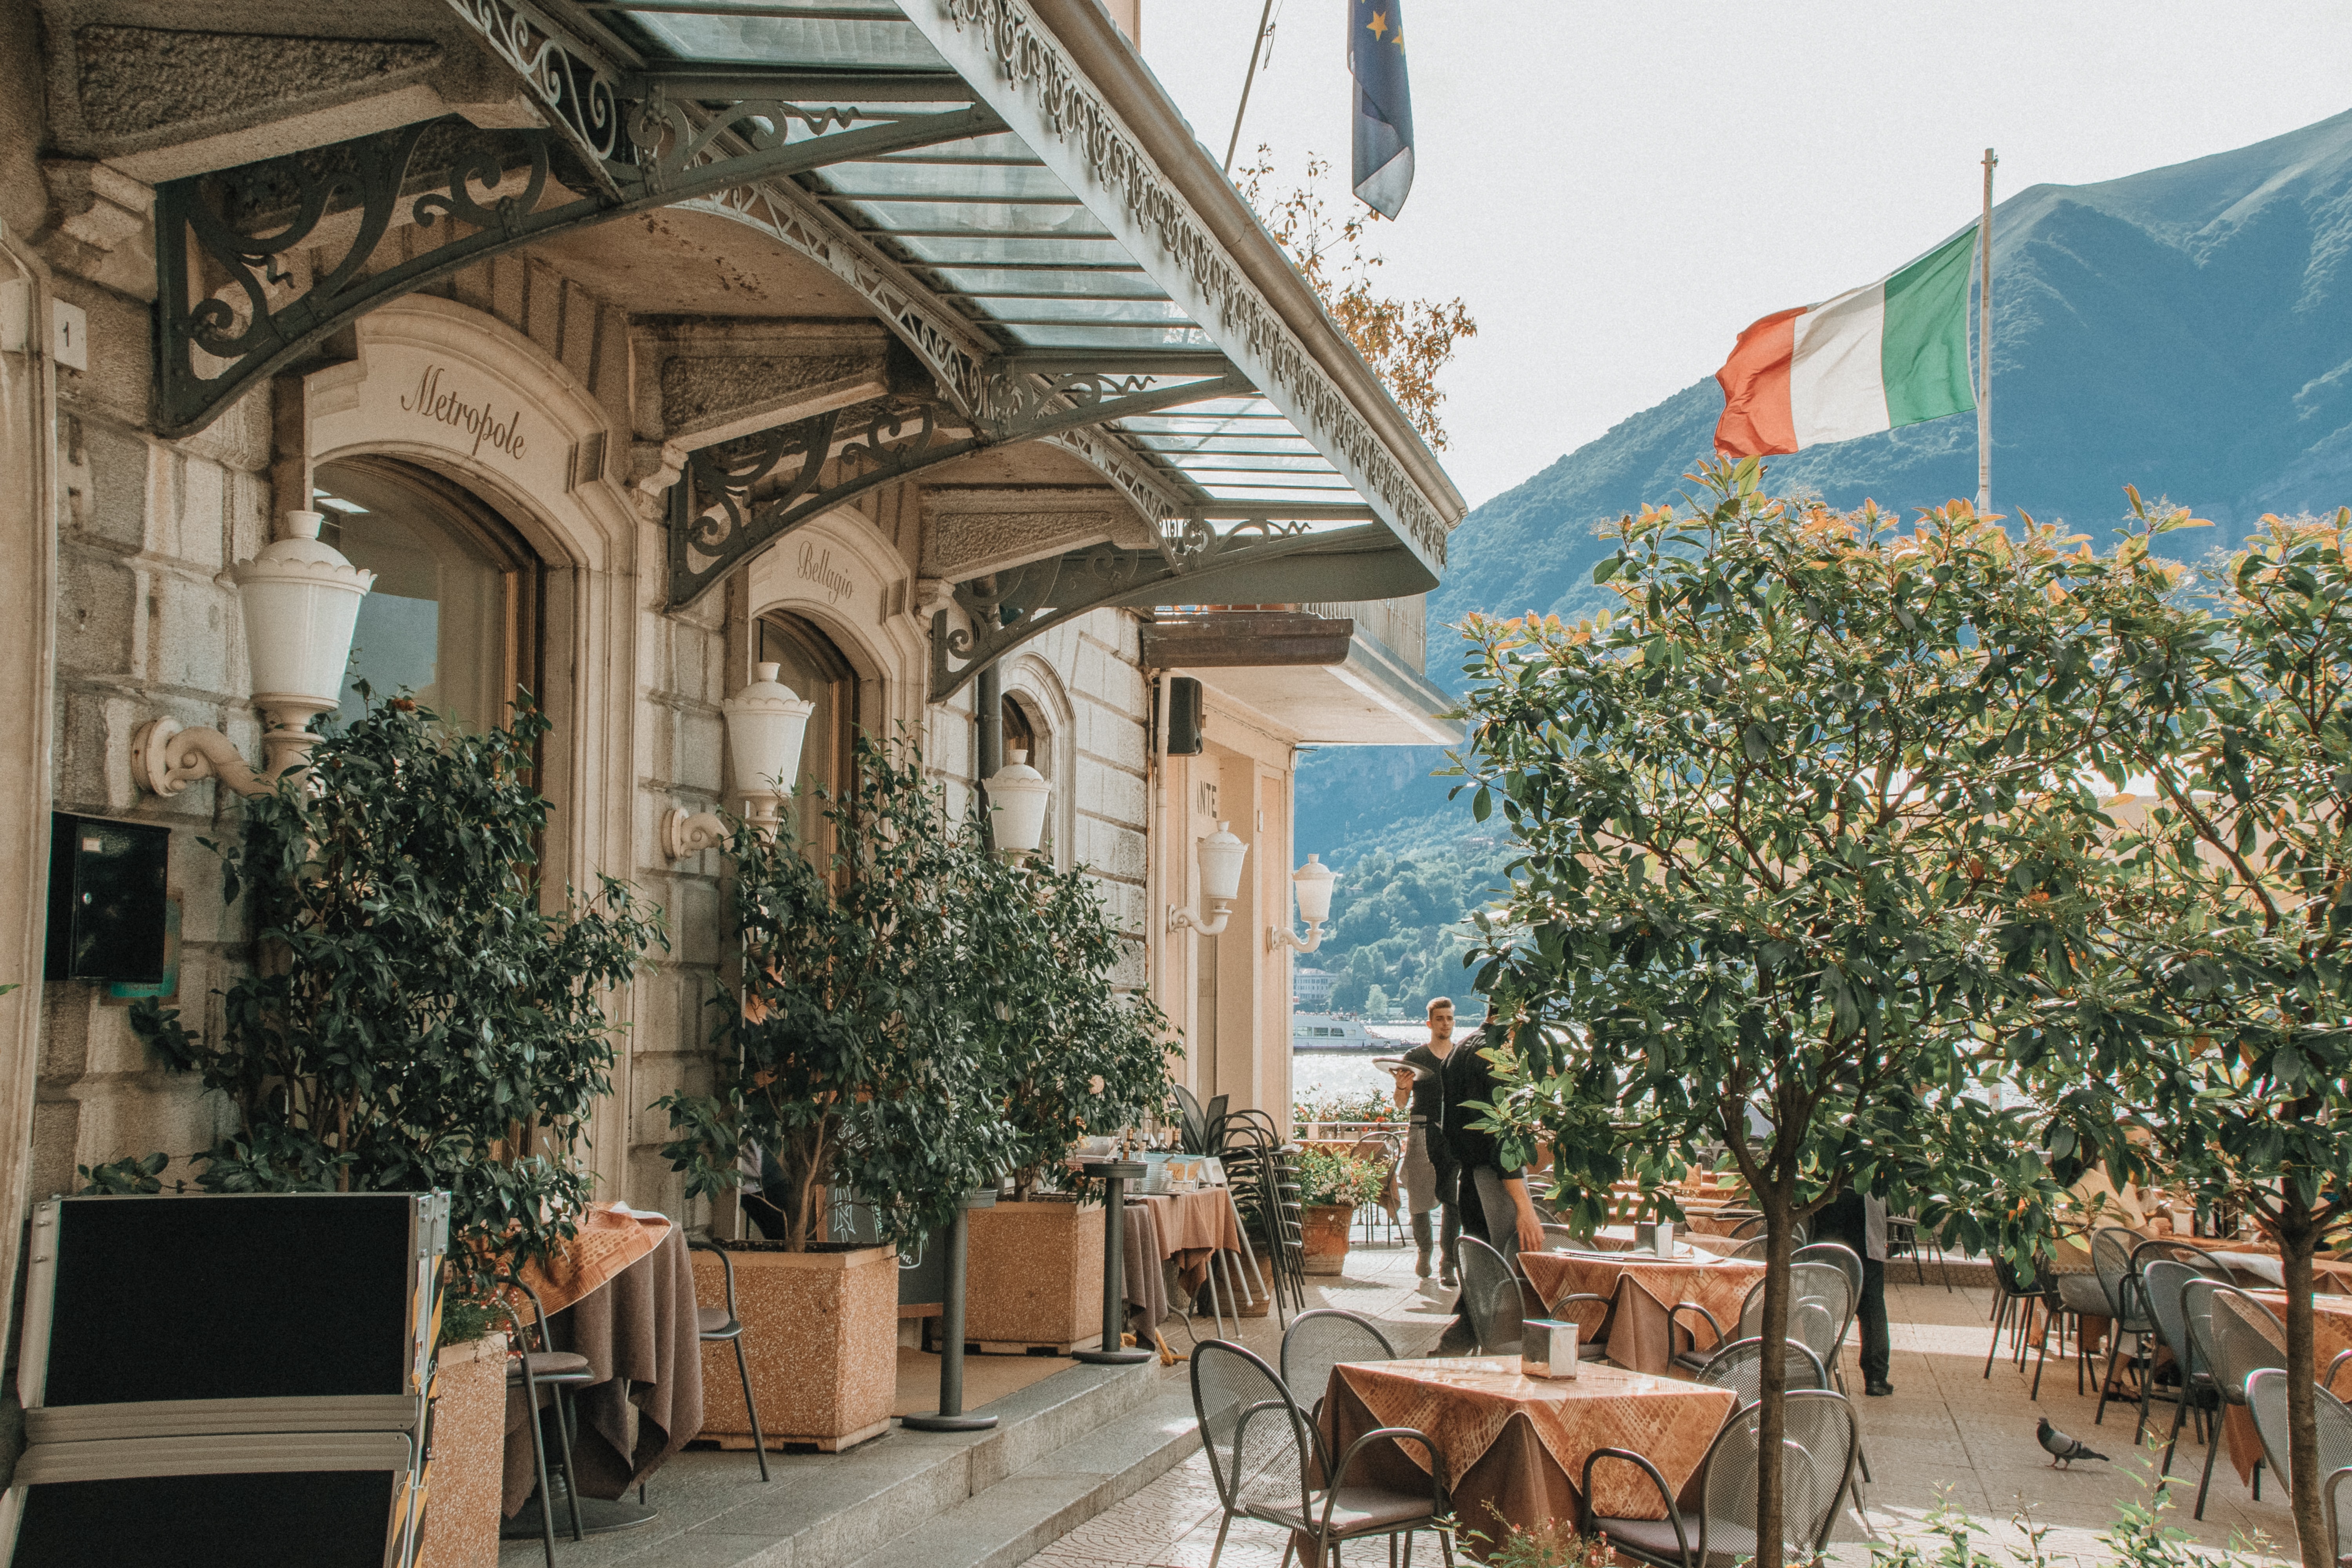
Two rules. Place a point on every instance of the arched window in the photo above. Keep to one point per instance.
(1025, 730)
(808, 662)
(453, 615)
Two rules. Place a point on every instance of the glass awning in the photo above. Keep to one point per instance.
(998, 239)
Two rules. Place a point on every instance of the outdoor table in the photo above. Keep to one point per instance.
(1640, 1291)
(636, 1323)
(1515, 1445)
(2331, 1333)
(1193, 1227)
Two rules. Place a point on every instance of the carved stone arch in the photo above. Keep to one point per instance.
(1031, 681)
(839, 574)
(489, 410)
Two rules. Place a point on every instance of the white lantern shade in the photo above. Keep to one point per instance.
(766, 722)
(1312, 884)
(1017, 795)
(1221, 865)
(300, 600)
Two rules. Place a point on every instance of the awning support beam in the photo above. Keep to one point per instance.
(735, 499)
(477, 193)
(1010, 607)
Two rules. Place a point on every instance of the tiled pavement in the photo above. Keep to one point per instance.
(1947, 1426)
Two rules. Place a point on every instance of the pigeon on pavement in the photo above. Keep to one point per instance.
(2063, 1450)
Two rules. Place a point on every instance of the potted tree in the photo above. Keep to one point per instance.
(845, 1067)
(1068, 1055)
(426, 1017)
(1331, 1188)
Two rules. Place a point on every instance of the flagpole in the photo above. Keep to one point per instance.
(1984, 345)
(1266, 15)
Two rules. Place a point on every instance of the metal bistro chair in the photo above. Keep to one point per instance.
(2338, 1503)
(1491, 1295)
(1739, 1367)
(2246, 1338)
(1319, 1341)
(2111, 1251)
(2014, 1303)
(561, 1372)
(2069, 1297)
(2162, 1280)
(1844, 1258)
(1820, 1304)
(1385, 1151)
(1260, 1445)
(1818, 1461)
(1903, 1237)
(717, 1325)
(2266, 1393)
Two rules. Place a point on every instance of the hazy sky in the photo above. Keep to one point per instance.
(1616, 189)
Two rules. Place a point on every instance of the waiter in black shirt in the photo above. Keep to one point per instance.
(1492, 1197)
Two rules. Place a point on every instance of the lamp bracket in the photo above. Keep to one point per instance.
(167, 757)
(1182, 919)
(1280, 937)
(683, 835)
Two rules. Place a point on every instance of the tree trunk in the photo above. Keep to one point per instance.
(1771, 1415)
(2298, 1241)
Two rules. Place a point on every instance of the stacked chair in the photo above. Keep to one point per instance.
(226, 1379)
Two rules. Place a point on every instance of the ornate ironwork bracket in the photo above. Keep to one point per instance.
(1010, 608)
(258, 266)
(735, 499)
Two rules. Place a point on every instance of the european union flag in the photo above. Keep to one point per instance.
(1383, 163)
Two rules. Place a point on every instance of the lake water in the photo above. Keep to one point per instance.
(1314, 1074)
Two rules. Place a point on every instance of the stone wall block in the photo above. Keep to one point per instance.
(174, 1113)
(120, 354)
(542, 306)
(700, 763)
(192, 633)
(695, 918)
(196, 881)
(65, 1031)
(577, 317)
(117, 464)
(98, 626)
(1111, 850)
(1110, 737)
(56, 1134)
(189, 512)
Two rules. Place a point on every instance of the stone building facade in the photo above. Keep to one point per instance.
(501, 442)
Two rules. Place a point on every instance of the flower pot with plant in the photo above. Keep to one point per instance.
(1068, 1056)
(846, 1064)
(1331, 1188)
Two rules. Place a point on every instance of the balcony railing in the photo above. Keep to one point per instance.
(1399, 624)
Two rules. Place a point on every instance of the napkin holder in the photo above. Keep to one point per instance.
(1662, 1239)
(1548, 1348)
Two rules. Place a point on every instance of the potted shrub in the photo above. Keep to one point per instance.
(424, 1015)
(1068, 1055)
(844, 1062)
(1332, 1187)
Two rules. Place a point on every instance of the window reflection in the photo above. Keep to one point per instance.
(448, 616)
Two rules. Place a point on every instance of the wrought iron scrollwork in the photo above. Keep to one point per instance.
(1010, 607)
(257, 266)
(735, 499)
(727, 505)
(573, 86)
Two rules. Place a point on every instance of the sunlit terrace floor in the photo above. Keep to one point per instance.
(1945, 1428)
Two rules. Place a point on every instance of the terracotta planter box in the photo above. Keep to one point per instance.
(467, 1462)
(1034, 1276)
(1326, 1232)
(821, 1331)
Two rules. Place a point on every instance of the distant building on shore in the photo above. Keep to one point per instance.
(1310, 988)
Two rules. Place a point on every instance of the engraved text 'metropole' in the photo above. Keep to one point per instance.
(816, 566)
(478, 419)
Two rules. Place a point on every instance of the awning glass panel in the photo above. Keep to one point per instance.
(1003, 244)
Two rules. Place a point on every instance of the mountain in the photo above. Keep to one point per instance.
(2188, 330)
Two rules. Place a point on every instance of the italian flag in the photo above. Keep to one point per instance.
(1892, 353)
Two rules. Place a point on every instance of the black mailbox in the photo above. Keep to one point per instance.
(107, 883)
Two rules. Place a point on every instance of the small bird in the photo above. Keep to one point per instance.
(2064, 1450)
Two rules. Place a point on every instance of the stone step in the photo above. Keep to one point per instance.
(826, 1509)
(1013, 1520)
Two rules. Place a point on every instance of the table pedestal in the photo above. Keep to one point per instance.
(1114, 1175)
(950, 1417)
(597, 1516)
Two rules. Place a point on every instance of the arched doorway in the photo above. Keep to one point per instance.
(454, 615)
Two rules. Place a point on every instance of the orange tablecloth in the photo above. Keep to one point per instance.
(1193, 1227)
(2331, 1333)
(1519, 1443)
(608, 1242)
(1636, 1334)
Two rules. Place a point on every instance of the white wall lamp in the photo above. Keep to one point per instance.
(1017, 795)
(1220, 879)
(1312, 883)
(300, 600)
(766, 722)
